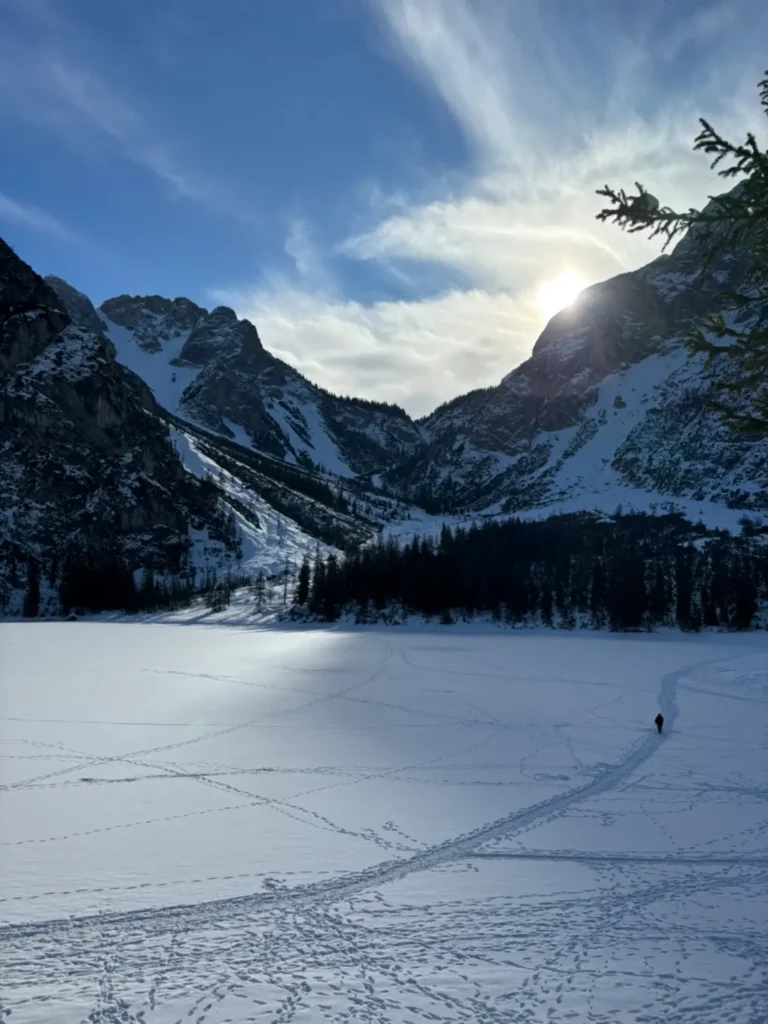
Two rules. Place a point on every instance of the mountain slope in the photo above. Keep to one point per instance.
(86, 465)
(212, 369)
(609, 408)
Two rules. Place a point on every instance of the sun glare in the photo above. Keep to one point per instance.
(559, 292)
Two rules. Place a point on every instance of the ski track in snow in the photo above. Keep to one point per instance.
(441, 931)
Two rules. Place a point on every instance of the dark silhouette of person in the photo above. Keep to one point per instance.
(659, 720)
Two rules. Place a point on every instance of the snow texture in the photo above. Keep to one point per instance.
(225, 825)
(166, 381)
(319, 445)
(268, 547)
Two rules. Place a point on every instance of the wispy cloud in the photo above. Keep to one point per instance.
(311, 269)
(33, 217)
(46, 79)
(547, 115)
(407, 352)
(454, 54)
(541, 141)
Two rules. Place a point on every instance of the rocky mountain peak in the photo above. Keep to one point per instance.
(83, 469)
(79, 307)
(223, 315)
(220, 333)
(153, 319)
(30, 312)
(609, 407)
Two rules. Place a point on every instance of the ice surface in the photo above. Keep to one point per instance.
(227, 824)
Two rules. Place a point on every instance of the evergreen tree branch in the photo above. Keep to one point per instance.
(738, 220)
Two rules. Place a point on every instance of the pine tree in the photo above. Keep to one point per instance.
(738, 219)
(745, 606)
(658, 597)
(31, 607)
(546, 603)
(147, 596)
(302, 587)
(260, 591)
(597, 593)
(684, 612)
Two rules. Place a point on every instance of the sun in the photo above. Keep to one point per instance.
(559, 292)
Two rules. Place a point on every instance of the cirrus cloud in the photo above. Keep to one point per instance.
(541, 144)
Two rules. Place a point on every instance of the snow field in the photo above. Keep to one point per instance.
(231, 824)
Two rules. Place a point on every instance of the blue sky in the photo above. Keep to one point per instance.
(381, 185)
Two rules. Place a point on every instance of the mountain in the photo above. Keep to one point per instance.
(86, 465)
(609, 409)
(211, 368)
(98, 490)
(166, 434)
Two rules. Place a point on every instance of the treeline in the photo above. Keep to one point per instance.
(107, 584)
(625, 572)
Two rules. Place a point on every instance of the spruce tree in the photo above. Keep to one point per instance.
(546, 603)
(684, 587)
(31, 607)
(597, 593)
(302, 587)
(260, 591)
(658, 597)
(738, 219)
(745, 605)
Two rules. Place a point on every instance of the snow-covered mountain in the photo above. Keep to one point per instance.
(89, 468)
(86, 465)
(608, 410)
(212, 369)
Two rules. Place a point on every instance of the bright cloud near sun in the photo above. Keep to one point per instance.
(409, 296)
(559, 292)
(527, 209)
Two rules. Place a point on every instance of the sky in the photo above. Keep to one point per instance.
(386, 188)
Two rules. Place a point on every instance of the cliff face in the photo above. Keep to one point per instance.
(212, 369)
(85, 464)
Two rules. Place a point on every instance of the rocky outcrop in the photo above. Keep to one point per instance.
(152, 319)
(241, 391)
(77, 306)
(85, 462)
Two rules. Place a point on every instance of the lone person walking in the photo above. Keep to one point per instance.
(659, 720)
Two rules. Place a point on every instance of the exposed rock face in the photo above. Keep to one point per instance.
(609, 408)
(153, 320)
(609, 403)
(220, 333)
(77, 306)
(241, 391)
(84, 461)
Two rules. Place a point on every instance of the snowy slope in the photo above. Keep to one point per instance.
(234, 825)
(166, 381)
(314, 441)
(212, 369)
(609, 410)
(268, 546)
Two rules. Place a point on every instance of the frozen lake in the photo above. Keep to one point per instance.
(225, 824)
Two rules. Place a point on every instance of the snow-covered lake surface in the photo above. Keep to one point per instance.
(214, 824)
